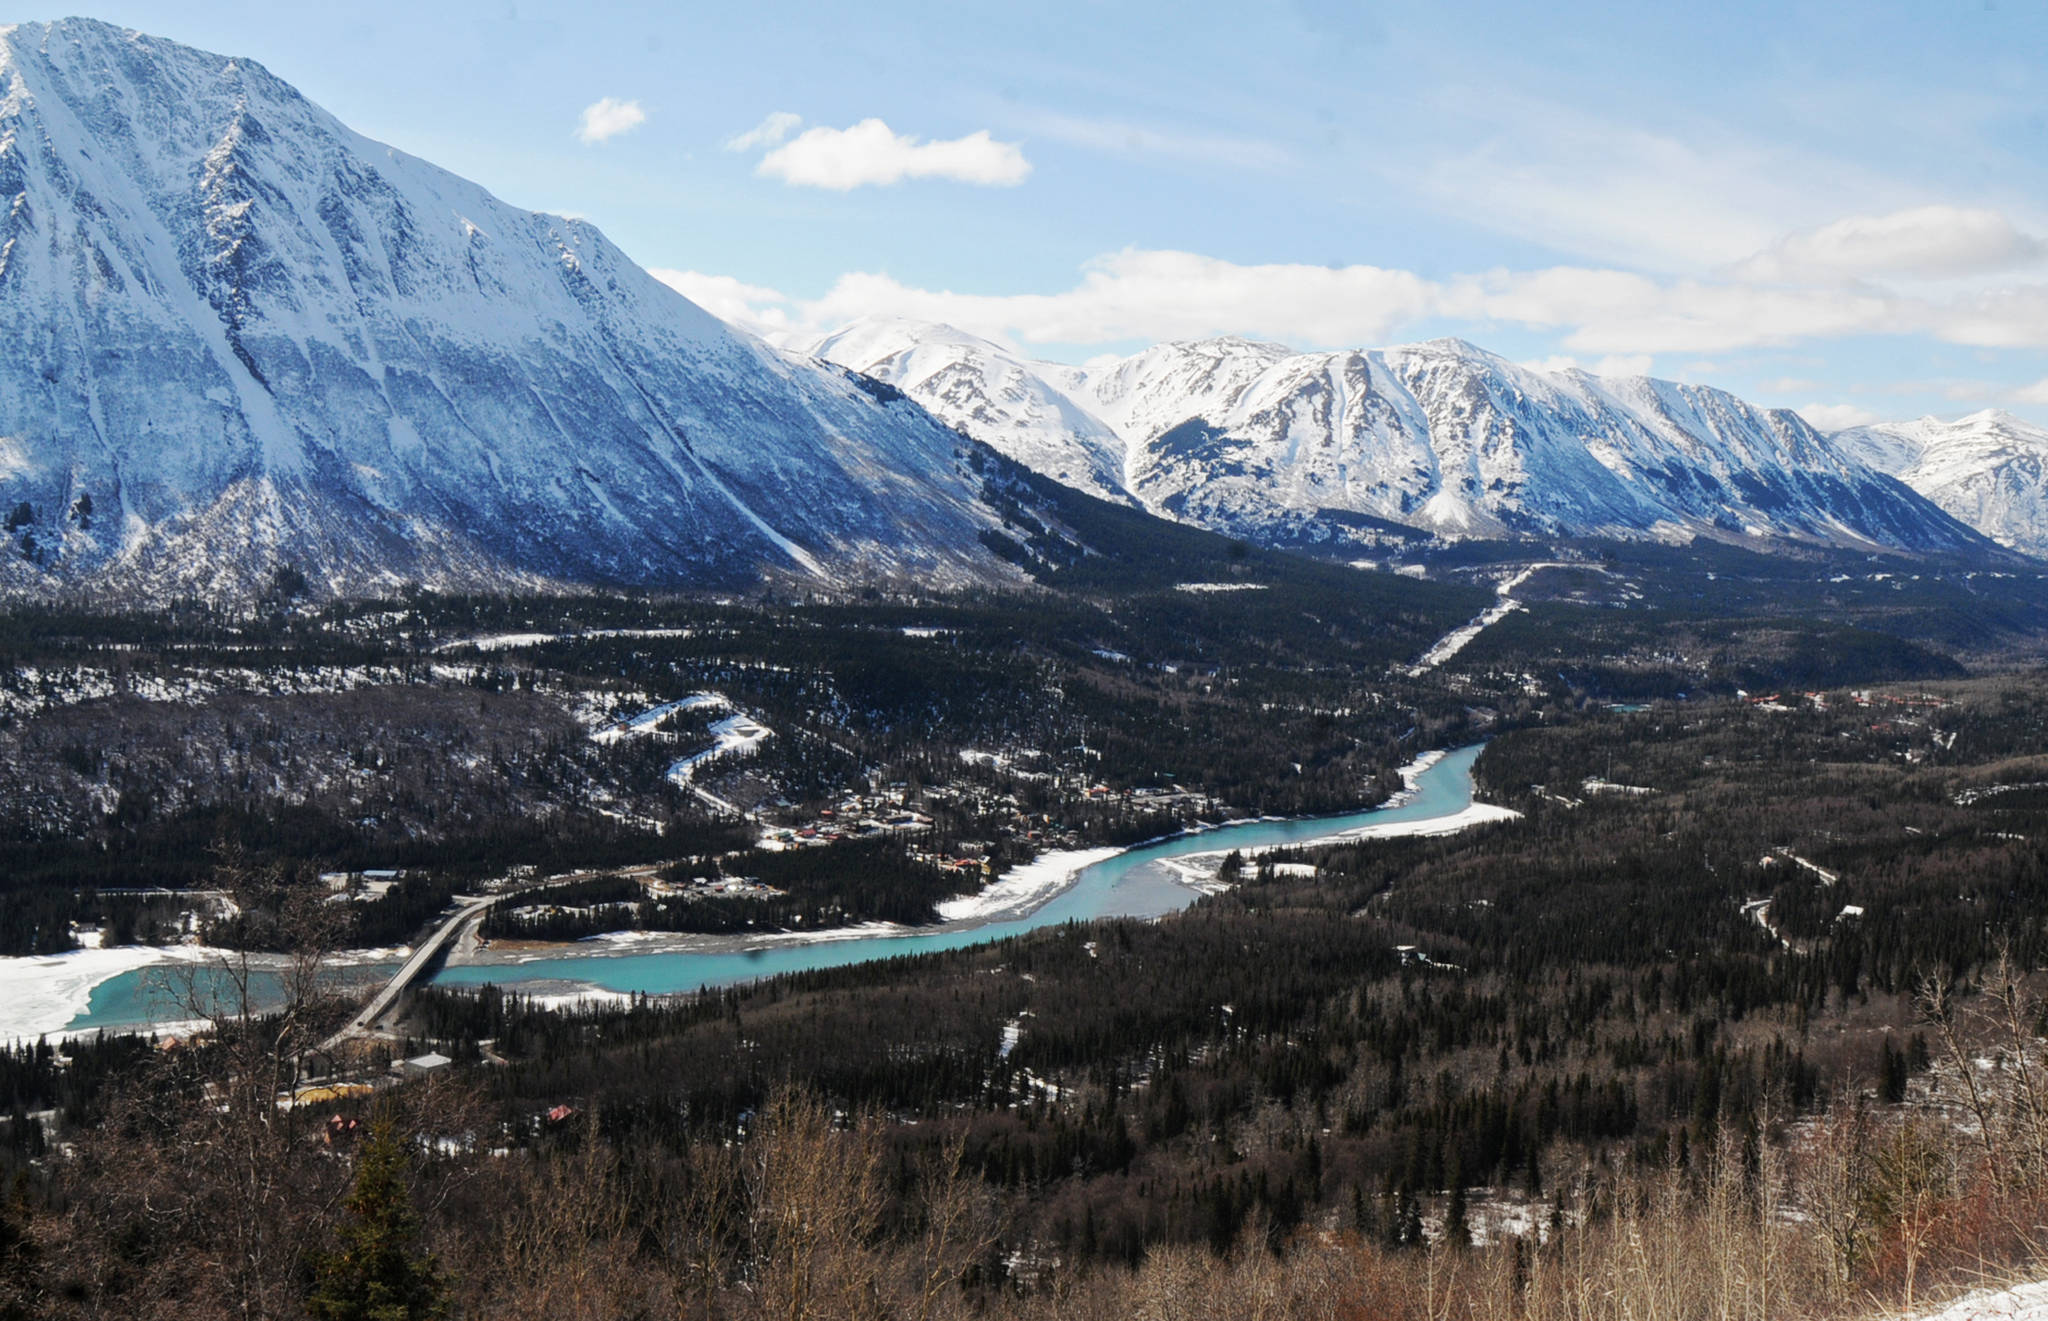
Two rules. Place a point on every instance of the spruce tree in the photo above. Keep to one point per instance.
(381, 1272)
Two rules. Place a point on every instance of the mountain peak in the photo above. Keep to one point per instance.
(1257, 440)
(333, 354)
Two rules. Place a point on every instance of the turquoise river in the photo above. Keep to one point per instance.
(1134, 883)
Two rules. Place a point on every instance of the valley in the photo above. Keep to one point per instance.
(540, 783)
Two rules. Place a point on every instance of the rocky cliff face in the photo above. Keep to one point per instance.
(1989, 470)
(1443, 437)
(241, 335)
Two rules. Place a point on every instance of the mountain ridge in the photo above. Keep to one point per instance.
(1989, 469)
(1254, 438)
(252, 337)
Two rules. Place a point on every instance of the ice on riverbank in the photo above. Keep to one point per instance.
(587, 996)
(40, 995)
(1478, 814)
(621, 943)
(1024, 887)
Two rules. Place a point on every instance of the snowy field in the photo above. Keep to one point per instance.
(2024, 1302)
(515, 641)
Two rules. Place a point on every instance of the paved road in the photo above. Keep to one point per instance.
(381, 1003)
(471, 910)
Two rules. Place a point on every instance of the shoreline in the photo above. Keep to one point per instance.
(41, 995)
(1016, 894)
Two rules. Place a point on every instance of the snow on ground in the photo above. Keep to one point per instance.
(1455, 641)
(1826, 877)
(2023, 1302)
(40, 994)
(1219, 587)
(1478, 814)
(734, 736)
(645, 721)
(1760, 909)
(1025, 887)
(1596, 785)
(515, 641)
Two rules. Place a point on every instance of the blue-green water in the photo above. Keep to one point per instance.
(1131, 884)
(165, 994)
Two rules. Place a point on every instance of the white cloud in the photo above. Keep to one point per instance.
(609, 118)
(1122, 138)
(872, 153)
(1614, 319)
(748, 305)
(1835, 417)
(1685, 199)
(1614, 364)
(2037, 393)
(2012, 317)
(1933, 242)
(1624, 364)
(1620, 312)
(1154, 295)
(767, 133)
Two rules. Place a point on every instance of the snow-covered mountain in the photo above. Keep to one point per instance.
(1258, 440)
(240, 335)
(976, 386)
(1989, 470)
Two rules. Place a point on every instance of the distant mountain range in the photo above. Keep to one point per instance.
(243, 337)
(1440, 438)
(1987, 469)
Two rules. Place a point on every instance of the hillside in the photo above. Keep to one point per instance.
(244, 337)
(1441, 439)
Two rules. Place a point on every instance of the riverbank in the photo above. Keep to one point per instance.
(46, 995)
(1016, 894)
(1143, 881)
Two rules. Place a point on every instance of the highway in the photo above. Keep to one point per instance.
(471, 910)
(381, 1003)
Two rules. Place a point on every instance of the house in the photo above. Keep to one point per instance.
(421, 1065)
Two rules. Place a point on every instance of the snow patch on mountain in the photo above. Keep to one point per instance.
(1257, 440)
(242, 336)
(1990, 470)
(985, 391)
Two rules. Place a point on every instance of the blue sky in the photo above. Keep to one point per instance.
(1842, 208)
